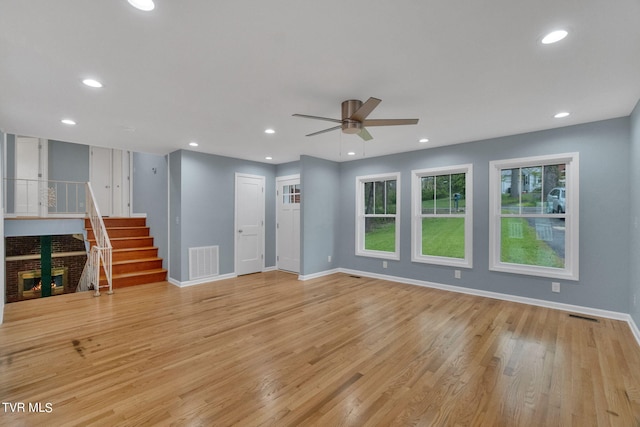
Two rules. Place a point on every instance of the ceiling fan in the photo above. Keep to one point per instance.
(354, 118)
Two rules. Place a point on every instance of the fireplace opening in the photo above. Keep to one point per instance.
(30, 282)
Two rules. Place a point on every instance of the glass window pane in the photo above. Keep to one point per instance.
(531, 190)
(379, 197)
(458, 187)
(391, 196)
(427, 184)
(368, 198)
(443, 237)
(554, 188)
(510, 191)
(443, 194)
(533, 241)
(380, 234)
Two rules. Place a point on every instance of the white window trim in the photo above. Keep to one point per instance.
(572, 224)
(360, 218)
(416, 207)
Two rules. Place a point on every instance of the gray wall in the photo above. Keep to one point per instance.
(604, 240)
(150, 197)
(286, 169)
(319, 216)
(207, 213)
(68, 161)
(634, 253)
(175, 213)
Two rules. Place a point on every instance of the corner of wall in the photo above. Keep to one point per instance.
(634, 216)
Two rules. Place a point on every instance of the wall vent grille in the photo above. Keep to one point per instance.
(203, 262)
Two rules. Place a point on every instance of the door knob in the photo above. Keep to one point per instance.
(239, 231)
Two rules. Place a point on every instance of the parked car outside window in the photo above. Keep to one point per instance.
(556, 200)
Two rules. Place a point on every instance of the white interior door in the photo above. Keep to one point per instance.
(101, 182)
(108, 170)
(27, 172)
(249, 221)
(288, 223)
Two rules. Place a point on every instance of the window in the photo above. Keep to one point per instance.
(534, 216)
(290, 194)
(442, 215)
(378, 216)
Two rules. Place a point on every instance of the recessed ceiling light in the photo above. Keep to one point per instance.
(68, 122)
(351, 153)
(561, 115)
(269, 131)
(554, 36)
(193, 144)
(268, 158)
(145, 5)
(424, 140)
(92, 83)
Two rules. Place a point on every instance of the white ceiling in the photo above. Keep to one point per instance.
(221, 72)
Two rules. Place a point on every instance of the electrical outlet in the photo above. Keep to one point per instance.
(555, 286)
(329, 258)
(384, 264)
(457, 274)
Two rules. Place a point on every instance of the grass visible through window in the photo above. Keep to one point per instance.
(443, 237)
(520, 245)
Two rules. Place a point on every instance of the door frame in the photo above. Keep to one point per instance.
(279, 179)
(235, 218)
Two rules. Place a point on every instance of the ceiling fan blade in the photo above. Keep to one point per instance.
(364, 134)
(326, 130)
(365, 109)
(389, 122)
(317, 118)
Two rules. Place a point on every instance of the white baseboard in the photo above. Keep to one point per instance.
(505, 297)
(201, 281)
(634, 329)
(272, 268)
(138, 215)
(319, 274)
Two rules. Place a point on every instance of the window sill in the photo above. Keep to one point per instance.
(379, 254)
(552, 273)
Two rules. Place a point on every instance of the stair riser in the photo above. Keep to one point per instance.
(141, 253)
(122, 232)
(130, 243)
(137, 266)
(119, 222)
(136, 280)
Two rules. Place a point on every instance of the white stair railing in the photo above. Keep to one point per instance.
(100, 253)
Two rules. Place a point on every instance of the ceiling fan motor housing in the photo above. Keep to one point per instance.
(348, 108)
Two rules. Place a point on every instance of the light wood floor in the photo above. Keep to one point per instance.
(266, 349)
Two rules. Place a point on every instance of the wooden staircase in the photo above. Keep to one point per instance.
(135, 259)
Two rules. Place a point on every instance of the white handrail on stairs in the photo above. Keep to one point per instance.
(100, 253)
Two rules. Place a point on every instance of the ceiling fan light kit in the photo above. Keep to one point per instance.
(354, 118)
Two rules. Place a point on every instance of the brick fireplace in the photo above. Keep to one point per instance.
(23, 265)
